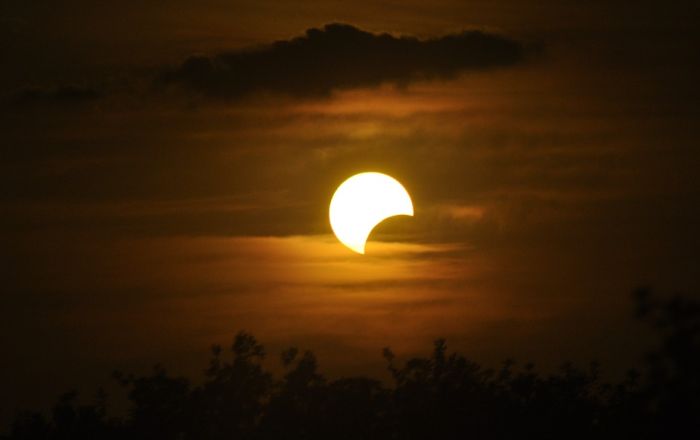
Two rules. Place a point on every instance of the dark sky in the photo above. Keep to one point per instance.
(166, 174)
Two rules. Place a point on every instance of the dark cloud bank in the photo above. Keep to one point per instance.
(63, 95)
(340, 56)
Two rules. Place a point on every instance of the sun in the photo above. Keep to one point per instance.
(362, 202)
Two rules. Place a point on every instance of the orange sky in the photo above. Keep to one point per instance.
(146, 225)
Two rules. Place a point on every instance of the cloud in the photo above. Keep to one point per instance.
(461, 212)
(340, 56)
(62, 95)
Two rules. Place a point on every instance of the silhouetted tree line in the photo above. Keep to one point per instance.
(444, 396)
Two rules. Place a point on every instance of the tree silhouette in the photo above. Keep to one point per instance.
(445, 396)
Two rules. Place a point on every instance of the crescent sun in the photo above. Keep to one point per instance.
(362, 202)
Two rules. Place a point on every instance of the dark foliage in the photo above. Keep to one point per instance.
(444, 396)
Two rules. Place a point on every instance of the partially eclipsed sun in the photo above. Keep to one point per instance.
(362, 202)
